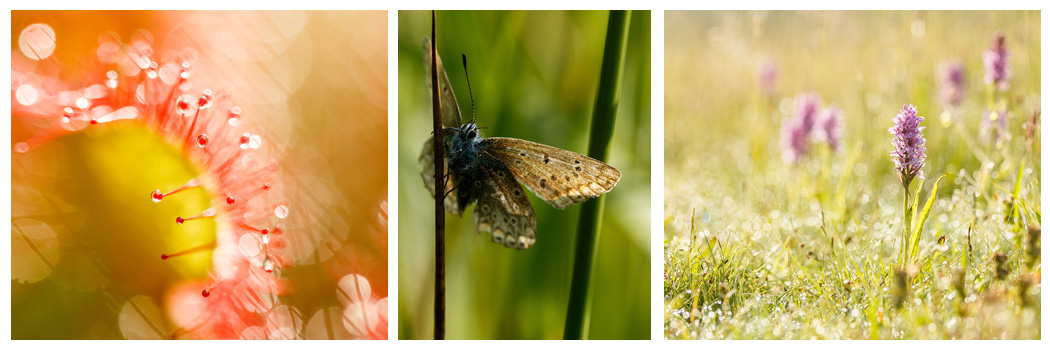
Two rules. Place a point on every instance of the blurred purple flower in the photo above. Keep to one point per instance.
(802, 126)
(909, 147)
(953, 83)
(792, 141)
(806, 106)
(996, 66)
(993, 126)
(767, 76)
(830, 127)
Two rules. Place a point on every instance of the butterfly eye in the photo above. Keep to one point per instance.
(472, 134)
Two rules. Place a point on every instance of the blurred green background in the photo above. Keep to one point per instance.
(534, 76)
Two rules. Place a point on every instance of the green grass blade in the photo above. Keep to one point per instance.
(1016, 203)
(920, 220)
(1017, 185)
(605, 105)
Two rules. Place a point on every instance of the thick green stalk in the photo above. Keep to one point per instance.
(605, 104)
(905, 237)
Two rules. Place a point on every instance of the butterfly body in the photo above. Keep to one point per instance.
(464, 144)
(488, 171)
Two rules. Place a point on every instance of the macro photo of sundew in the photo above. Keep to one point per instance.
(852, 175)
(535, 80)
(199, 175)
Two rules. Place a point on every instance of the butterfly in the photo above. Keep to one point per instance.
(488, 171)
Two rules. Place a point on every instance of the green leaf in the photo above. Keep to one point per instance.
(915, 203)
(920, 220)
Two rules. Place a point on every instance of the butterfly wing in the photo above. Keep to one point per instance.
(426, 160)
(503, 209)
(560, 177)
(450, 116)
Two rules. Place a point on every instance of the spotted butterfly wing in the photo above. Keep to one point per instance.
(450, 117)
(503, 209)
(453, 202)
(562, 178)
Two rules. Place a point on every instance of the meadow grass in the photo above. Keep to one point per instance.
(756, 248)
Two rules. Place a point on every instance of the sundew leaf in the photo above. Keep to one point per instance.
(920, 220)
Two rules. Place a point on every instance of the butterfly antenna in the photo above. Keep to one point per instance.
(472, 111)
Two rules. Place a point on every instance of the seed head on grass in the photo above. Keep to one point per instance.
(996, 64)
(1033, 244)
(909, 146)
(1002, 269)
(1024, 283)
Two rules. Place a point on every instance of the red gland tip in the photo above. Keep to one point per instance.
(229, 200)
(179, 220)
(156, 196)
(164, 257)
(206, 293)
(93, 122)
